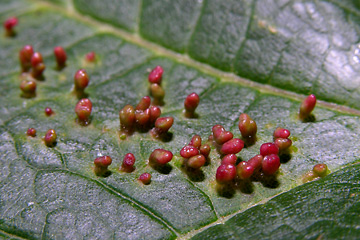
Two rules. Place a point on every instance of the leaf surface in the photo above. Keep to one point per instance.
(53, 193)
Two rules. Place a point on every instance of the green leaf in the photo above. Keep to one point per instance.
(315, 212)
(304, 47)
(239, 56)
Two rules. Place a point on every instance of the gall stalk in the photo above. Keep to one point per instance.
(307, 106)
(145, 178)
(101, 166)
(190, 104)
(160, 157)
(83, 111)
(155, 75)
(50, 138)
(9, 26)
(60, 57)
(25, 55)
(128, 163)
(247, 126)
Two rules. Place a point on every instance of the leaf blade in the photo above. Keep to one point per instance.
(325, 208)
(117, 78)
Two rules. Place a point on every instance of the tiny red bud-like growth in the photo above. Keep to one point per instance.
(256, 161)
(232, 146)
(224, 137)
(9, 25)
(48, 111)
(155, 113)
(189, 151)
(162, 125)
(50, 138)
(244, 170)
(31, 132)
(128, 163)
(60, 56)
(217, 129)
(160, 156)
(195, 141)
(127, 117)
(28, 87)
(225, 173)
(205, 150)
(38, 70)
(307, 106)
(143, 117)
(281, 133)
(157, 92)
(247, 126)
(145, 178)
(220, 135)
(270, 164)
(37, 65)
(155, 75)
(268, 148)
(196, 161)
(191, 102)
(101, 165)
(282, 143)
(36, 59)
(229, 159)
(320, 169)
(25, 55)
(144, 103)
(81, 80)
(83, 110)
(90, 57)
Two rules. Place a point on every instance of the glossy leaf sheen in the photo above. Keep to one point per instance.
(53, 193)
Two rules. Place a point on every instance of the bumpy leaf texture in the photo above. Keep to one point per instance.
(256, 57)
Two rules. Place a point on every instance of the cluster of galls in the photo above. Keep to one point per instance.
(225, 142)
(146, 115)
(195, 154)
(156, 91)
(143, 118)
(264, 164)
(32, 67)
(84, 106)
(102, 163)
(228, 147)
(49, 138)
(158, 158)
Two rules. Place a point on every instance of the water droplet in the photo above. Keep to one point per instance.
(355, 57)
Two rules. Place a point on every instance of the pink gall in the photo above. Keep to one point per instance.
(155, 75)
